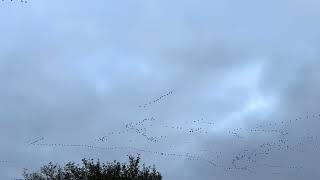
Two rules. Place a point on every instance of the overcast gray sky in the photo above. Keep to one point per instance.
(74, 71)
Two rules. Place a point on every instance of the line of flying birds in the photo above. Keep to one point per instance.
(21, 1)
(155, 100)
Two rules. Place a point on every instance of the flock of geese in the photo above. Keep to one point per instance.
(248, 160)
(21, 1)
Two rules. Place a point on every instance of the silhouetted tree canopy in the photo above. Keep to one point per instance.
(91, 170)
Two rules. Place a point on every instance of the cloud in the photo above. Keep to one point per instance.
(73, 71)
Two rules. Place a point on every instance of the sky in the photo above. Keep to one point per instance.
(238, 82)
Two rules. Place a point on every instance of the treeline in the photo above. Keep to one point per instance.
(94, 170)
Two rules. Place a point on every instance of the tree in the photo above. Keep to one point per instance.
(91, 170)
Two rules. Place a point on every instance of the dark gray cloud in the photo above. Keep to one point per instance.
(75, 71)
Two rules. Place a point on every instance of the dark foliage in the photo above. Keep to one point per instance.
(91, 170)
